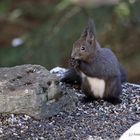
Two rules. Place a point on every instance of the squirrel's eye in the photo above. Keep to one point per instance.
(82, 48)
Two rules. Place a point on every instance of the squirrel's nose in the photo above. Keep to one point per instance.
(75, 55)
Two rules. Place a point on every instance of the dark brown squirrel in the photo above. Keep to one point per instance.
(96, 69)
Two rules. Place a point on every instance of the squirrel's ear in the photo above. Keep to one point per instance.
(89, 32)
(90, 38)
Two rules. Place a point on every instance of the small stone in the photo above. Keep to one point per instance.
(1, 130)
(26, 117)
(42, 138)
(89, 137)
(15, 134)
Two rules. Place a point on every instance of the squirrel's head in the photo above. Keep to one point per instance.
(84, 47)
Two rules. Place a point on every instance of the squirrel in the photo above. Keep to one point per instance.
(96, 69)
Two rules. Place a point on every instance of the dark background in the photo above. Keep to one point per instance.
(48, 28)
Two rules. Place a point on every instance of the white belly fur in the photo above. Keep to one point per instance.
(97, 86)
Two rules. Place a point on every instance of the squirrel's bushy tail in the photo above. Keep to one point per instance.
(71, 77)
(123, 74)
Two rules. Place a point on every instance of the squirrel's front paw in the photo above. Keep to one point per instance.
(74, 62)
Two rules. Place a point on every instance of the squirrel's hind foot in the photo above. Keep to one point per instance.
(88, 99)
(114, 100)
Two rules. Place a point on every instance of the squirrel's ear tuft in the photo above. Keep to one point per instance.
(89, 30)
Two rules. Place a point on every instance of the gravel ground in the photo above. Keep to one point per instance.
(94, 120)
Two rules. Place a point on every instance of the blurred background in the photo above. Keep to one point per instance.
(43, 31)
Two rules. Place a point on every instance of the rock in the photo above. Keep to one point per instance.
(33, 90)
(133, 133)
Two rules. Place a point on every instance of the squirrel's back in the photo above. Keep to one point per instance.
(106, 63)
